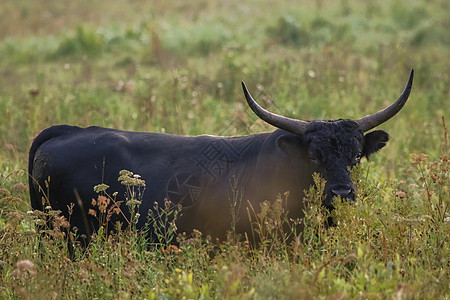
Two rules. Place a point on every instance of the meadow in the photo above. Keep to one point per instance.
(176, 67)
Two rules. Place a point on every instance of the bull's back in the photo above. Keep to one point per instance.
(66, 162)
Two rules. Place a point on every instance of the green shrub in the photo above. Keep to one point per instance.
(86, 41)
(289, 32)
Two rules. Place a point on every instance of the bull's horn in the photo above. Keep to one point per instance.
(288, 124)
(368, 122)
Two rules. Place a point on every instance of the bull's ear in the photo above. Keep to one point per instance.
(374, 141)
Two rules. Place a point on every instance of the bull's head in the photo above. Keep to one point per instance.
(336, 146)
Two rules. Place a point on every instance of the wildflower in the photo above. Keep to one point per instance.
(115, 208)
(40, 222)
(445, 158)
(101, 188)
(129, 86)
(70, 208)
(133, 202)
(125, 173)
(103, 203)
(312, 74)
(60, 221)
(418, 159)
(24, 267)
(174, 249)
(400, 194)
(197, 233)
(92, 212)
(167, 204)
(4, 192)
(25, 264)
(128, 178)
(19, 187)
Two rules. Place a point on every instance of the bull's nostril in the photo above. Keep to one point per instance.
(343, 192)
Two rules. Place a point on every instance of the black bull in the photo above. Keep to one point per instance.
(201, 173)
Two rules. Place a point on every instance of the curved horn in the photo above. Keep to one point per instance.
(368, 122)
(288, 124)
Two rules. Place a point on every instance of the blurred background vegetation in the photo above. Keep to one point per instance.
(176, 67)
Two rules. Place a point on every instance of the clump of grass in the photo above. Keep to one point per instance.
(161, 222)
(272, 229)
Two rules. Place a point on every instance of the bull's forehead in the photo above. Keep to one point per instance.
(335, 136)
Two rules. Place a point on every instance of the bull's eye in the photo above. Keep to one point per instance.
(314, 158)
(357, 157)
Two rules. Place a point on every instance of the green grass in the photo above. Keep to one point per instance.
(176, 67)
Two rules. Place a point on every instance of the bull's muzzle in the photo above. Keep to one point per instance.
(343, 191)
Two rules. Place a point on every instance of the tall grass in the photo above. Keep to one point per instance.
(393, 242)
(176, 67)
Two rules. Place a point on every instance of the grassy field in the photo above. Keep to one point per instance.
(176, 67)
